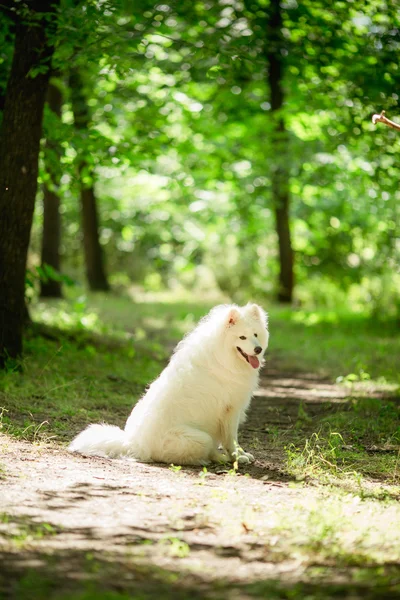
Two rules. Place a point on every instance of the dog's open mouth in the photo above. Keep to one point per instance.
(251, 359)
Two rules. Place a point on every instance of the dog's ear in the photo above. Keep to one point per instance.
(233, 317)
(257, 313)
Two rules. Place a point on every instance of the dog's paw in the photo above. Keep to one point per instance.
(243, 459)
(249, 456)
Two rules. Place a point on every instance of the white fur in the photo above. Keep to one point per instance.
(197, 403)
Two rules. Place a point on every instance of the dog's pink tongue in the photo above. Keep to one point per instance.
(253, 360)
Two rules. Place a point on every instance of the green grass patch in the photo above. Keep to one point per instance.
(65, 384)
(357, 443)
(348, 347)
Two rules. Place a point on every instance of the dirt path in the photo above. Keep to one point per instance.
(75, 527)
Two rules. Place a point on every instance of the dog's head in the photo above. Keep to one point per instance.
(247, 334)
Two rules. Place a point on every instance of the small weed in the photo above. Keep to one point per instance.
(176, 547)
(202, 476)
(234, 470)
(302, 416)
(255, 443)
(175, 468)
(274, 435)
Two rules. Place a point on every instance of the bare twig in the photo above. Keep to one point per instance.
(382, 119)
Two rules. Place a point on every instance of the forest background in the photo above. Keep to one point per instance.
(215, 145)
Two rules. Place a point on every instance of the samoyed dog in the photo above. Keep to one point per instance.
(190, 415)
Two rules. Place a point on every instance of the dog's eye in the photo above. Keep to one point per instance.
(255, 335)
(242, 337)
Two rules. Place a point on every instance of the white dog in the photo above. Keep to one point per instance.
(197, 403)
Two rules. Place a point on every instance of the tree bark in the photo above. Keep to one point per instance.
(51, 236)
(19, 151)
(95, 271)
(280, 171)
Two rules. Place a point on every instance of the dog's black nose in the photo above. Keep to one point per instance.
(257, 349)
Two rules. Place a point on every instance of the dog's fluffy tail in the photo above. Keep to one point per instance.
(100, 440)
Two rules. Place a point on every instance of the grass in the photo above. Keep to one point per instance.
(56, 393)
(323, 457)
(349, 447)
(348, 347)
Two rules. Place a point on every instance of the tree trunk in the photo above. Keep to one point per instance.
(95, 271)
(280, 171)
(93, 252)
(51, 237)
(19, 151)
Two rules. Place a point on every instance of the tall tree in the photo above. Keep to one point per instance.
(50, 287)
(19, 150)
(280, 169)
(94, 262)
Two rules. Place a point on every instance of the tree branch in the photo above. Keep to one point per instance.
(382, 119)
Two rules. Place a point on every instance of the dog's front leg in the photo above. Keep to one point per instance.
(230, 441)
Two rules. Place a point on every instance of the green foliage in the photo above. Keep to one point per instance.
(179, 142)
(45, 273)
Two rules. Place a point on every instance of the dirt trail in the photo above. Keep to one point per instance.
(75, 525)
